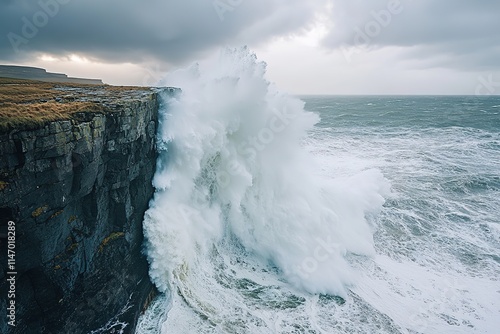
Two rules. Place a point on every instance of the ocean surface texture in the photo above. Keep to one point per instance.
(326, 214)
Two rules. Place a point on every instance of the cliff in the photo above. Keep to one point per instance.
(77, 188)
(35, 73)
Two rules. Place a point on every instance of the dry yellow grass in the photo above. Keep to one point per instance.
(29, 116)
(25, 91)
(27, 104)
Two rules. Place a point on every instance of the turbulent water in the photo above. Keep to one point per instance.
(332, 215)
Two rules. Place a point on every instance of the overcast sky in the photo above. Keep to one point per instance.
(311, 46)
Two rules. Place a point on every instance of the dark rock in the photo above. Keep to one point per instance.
(77, 191)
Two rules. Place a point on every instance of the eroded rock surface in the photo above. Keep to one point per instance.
(77, 190)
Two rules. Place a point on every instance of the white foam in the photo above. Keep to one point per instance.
(428, 301)
(232, 173)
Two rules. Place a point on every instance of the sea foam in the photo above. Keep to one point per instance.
(233, 177)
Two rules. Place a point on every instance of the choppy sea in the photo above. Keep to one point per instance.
(322, 214)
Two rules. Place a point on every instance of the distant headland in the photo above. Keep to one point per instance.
(40, 74)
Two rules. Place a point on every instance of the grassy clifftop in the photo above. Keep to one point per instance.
(77, 189)
(28, 104)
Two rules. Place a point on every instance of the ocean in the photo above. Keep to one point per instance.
(321, 214)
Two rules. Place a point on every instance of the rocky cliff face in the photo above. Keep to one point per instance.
(77, 190)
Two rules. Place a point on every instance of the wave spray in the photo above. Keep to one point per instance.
(245, 224)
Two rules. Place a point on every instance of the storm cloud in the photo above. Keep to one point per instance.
(460, 34)
(379, 36)
(135, 31)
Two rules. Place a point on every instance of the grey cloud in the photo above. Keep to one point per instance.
(136, 31)
(460, 34)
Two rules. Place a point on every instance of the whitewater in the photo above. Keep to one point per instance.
(333, 215)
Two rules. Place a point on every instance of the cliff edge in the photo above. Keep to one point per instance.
(76, 165)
